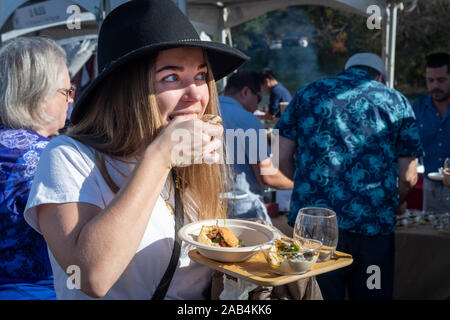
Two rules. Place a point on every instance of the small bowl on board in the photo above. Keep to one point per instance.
(298, 257)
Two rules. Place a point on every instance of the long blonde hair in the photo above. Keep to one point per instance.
(124, 119)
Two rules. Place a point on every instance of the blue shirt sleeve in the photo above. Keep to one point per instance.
(415, 106)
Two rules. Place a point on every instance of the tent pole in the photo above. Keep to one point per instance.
(385, 41)
(104, 4)
(223, 82)
(224, 35)
(182, 6)
(392, 39)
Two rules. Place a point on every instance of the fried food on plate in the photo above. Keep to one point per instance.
(217, 237)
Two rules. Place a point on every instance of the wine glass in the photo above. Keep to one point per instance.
(318, 224)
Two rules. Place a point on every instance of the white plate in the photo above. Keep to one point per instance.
(253, 235)
(435, 176)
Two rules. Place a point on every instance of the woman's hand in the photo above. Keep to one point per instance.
(187, 140)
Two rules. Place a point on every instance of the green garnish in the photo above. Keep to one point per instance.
(287, 247)
(216, 240)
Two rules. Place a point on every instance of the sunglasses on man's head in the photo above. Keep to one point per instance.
(70, 93)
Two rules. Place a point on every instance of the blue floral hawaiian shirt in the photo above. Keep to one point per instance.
(350, 131)
(23, 252)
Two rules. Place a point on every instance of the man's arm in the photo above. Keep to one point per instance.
(267, 174)
(407, 177)
(278, 178)
(287, 151)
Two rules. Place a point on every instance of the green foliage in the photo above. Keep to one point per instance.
(420, 32)
(334, 35)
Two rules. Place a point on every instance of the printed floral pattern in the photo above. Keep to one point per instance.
(17, 139)
(23, 252)
(350, 131)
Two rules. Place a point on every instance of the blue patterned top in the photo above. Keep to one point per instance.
(350, 131)
(23, 252)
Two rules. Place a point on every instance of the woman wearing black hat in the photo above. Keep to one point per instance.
(108, 196)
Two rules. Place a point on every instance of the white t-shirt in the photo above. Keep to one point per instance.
(67, 173)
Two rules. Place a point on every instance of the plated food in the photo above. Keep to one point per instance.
(288, 256)
(252, 236)
(218, 237)
(435, 176)
(411, 218)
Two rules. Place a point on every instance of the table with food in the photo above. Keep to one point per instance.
(422, 244)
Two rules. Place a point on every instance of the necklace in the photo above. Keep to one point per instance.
(168, 186)
(168, 204)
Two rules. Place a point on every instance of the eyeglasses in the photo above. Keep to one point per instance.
(257, 94)
(69, 93)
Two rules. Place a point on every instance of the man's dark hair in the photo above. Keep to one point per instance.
(437, 60)
(373, 72)
(245, 78)
(268, 74)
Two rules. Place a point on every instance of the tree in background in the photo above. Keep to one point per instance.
(334, 35)
(420, 32)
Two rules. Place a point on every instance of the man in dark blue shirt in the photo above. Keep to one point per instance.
(351, 144)
(433, 119)
(278, 93)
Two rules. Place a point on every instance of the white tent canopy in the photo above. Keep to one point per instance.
(52, 18)
(212, 17)
(239, 11)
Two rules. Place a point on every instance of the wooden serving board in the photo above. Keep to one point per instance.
(258, 271)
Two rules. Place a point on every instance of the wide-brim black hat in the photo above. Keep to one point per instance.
(141, 27)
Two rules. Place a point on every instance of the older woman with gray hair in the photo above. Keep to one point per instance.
(35, 91)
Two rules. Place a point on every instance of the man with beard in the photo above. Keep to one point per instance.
(433, 118)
